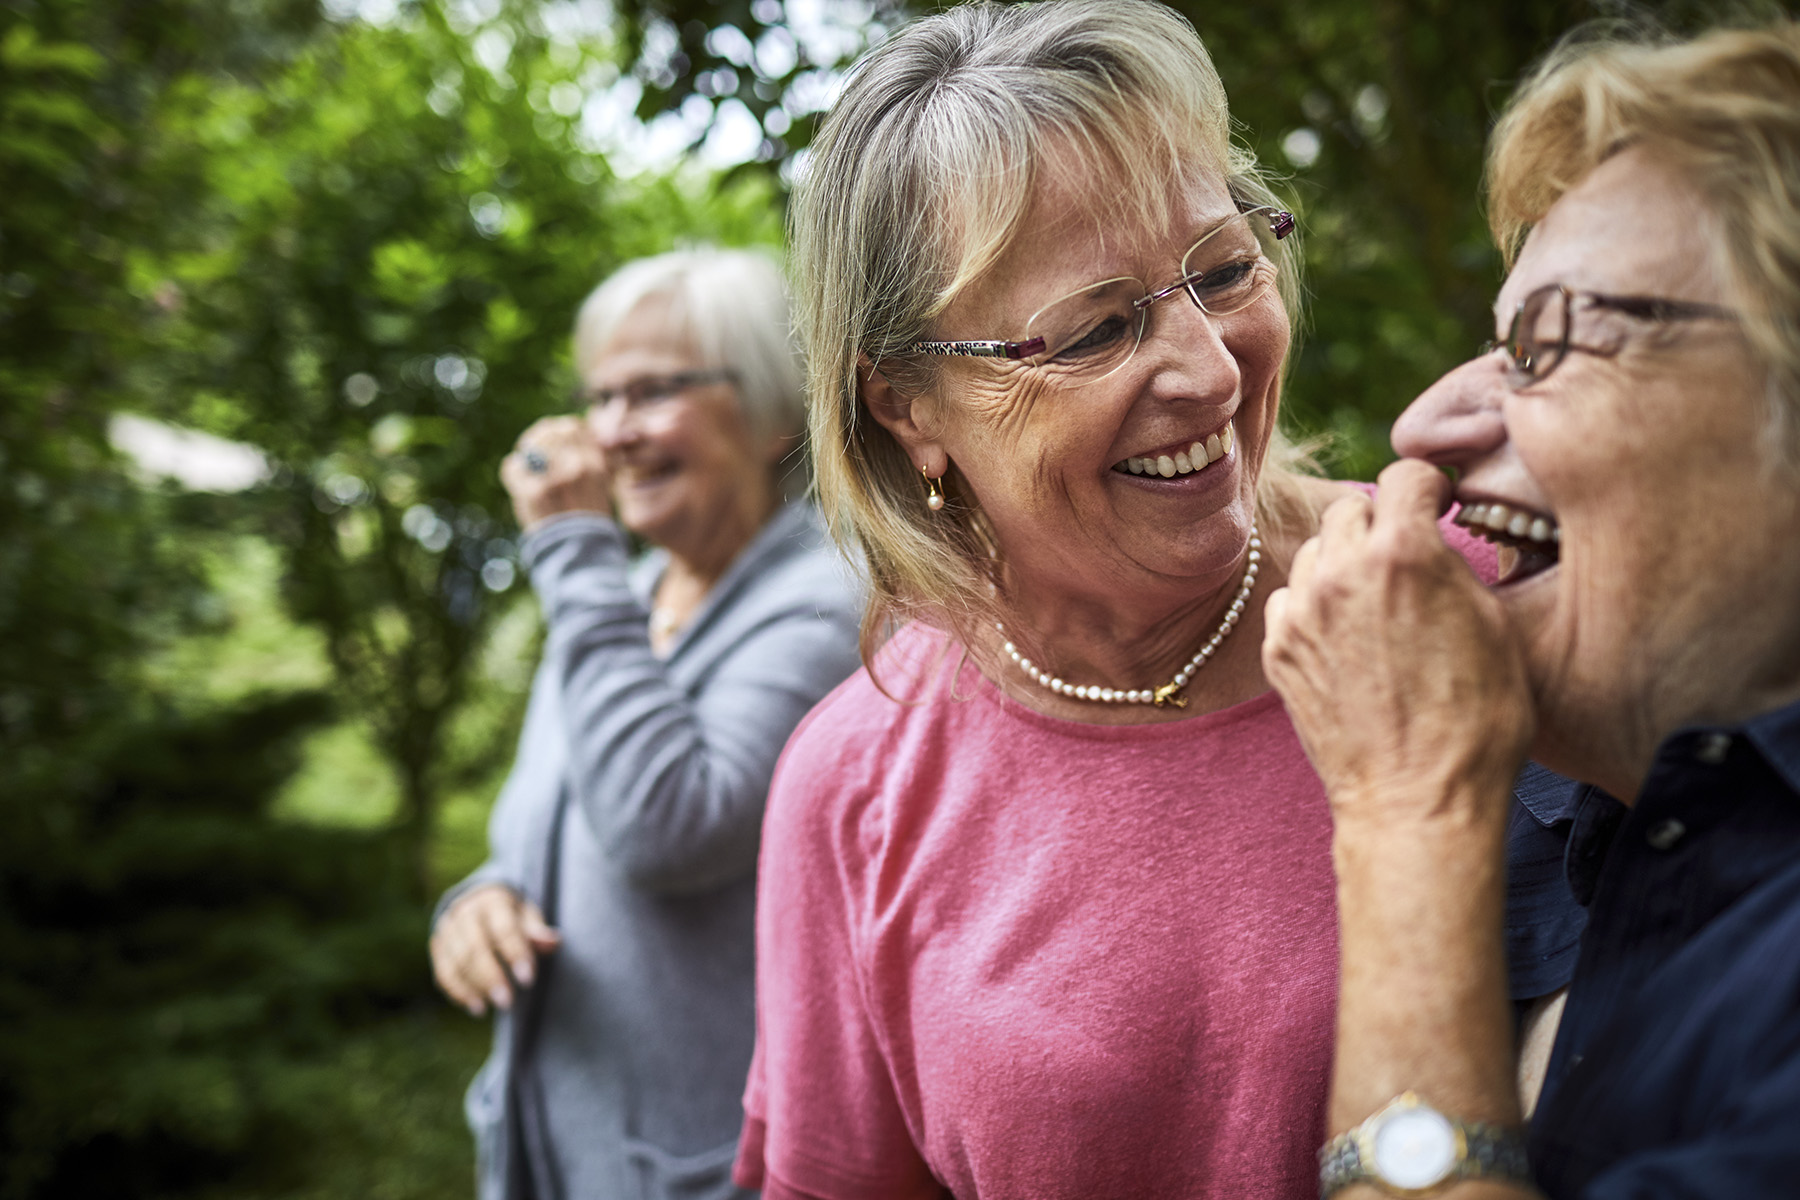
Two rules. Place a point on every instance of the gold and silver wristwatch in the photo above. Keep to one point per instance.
(1411, 1149)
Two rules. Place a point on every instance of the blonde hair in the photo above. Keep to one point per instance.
(1724, 109)
(918, 180)
(732, 306)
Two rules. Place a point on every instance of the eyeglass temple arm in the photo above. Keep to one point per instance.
(980, 349)
(1281, 223)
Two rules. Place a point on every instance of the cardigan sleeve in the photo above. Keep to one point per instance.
(517, 827)
(672, 781)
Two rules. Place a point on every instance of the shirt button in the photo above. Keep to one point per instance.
(1713, 748)
(1664, 834)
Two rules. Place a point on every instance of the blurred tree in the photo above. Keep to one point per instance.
(360, 247)
(374, 283)
(761, 57)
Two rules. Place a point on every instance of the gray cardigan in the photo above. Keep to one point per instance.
(632, 817)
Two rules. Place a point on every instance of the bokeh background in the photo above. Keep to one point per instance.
(280, 280)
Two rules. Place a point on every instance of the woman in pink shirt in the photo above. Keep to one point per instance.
(1046, 900)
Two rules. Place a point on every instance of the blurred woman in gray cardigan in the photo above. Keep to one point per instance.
(612, 926)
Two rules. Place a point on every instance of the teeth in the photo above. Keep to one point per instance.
(1515, 523)
(1197, 457)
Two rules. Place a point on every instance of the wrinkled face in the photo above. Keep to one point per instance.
(1649, 546)
(1096, 489)
(679, 461)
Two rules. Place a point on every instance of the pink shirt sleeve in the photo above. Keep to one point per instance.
(822, 1119)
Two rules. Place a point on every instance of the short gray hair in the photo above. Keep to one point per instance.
(733, 305)
(919, 179)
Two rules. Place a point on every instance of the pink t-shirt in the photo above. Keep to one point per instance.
(1020, 958)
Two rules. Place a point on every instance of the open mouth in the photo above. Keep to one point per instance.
(1186, 459)
(1533, 539)
(645, 474)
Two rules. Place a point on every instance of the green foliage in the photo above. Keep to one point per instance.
(360, 249)
(747, 52)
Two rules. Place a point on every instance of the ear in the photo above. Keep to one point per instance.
(902, 415)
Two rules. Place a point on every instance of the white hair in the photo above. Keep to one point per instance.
(732, 305)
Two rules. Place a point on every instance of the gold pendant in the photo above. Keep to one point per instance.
(1169, 694)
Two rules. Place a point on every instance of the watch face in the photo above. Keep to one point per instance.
(1415, 1148)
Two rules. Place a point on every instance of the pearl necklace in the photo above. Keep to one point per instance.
(1170, 692)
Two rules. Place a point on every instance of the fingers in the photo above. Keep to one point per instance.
(538, 931)
(488, 939)
(558, 466)
(554, 432)
(508, 944)
(450, 950)
(1412, 494)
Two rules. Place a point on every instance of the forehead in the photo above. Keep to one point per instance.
(651, 338)
(1635, 226)
(1074, 233)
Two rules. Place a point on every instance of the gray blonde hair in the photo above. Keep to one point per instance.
(1724, 109)
(919, 179)
(733, 307)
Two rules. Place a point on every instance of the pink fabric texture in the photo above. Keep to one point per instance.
(1018, 958)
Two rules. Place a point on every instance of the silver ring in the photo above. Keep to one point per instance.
(535, 462)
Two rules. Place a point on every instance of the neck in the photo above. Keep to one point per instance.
(1139, 643)
(704, 558)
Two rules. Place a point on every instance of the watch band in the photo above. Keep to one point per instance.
(1483, 1151)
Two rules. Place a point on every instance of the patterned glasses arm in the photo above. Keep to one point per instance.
(978, 349)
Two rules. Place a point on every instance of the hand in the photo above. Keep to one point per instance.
(572, 475)
(1400, 671)
(487, 941)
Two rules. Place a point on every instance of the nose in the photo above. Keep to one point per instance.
(1188, 344)
(1457, 419)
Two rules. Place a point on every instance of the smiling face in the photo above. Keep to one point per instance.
(1094, 489)
(685, 472)
(1662, 546)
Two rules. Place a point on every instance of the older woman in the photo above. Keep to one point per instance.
(1633, 443)
(626, 839)
(1046, 904)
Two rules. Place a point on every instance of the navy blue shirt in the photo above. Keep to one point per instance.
(1543, 919)
(1676, 1071)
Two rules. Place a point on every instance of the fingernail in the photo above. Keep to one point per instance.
(501, 999)
(522, 972)
(476, 1008)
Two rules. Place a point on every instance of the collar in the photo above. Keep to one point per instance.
(1775, 735)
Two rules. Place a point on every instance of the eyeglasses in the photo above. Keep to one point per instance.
(1093, 331)
(1544, 327)
(647, 390)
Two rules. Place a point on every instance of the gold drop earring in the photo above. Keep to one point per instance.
(935, 500)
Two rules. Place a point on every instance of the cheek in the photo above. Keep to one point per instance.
(1260, 350)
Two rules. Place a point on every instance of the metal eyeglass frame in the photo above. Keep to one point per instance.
(1528, 362)
(1281, 223)
(653, 387)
